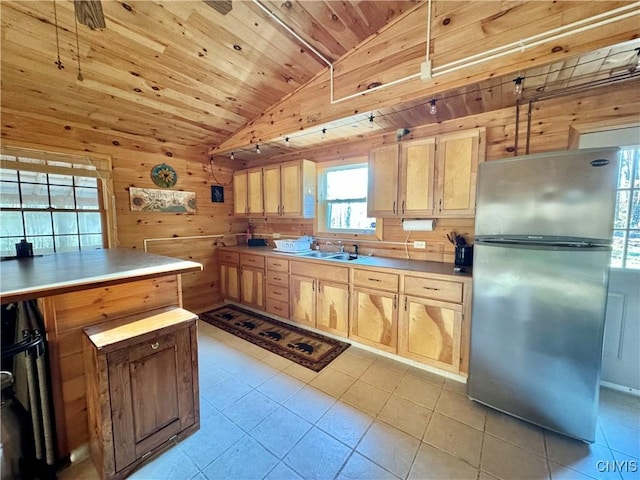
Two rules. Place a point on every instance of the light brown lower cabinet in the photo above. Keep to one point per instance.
(302, 291)
(374, 318)
(252, 280)
(333, 307)
(142, 387)
(429, 331)
(230, 281)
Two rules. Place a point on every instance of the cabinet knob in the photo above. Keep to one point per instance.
(155, 345)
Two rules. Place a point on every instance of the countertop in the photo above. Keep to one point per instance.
(419, 266)
(33, 277)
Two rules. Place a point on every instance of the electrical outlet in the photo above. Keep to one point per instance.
(275, 235)
(419, 244)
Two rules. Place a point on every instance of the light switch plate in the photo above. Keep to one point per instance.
(419, 244)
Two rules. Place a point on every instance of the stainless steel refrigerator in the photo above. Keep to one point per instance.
(540, 275)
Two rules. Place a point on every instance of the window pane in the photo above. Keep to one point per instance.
(62, 197)
(626, 168)
(636, 177)
(8, 246)
(38, 223)
(622, 210)
(349, 215)
(87, 198)
(66, 243)
(11, 224)
(11, 175)
(34, 196)
(617, 248)
(64, 222)
(9, 195)
(86, 182)
(90, 242)
(55, 179)
(90, 222)
(41, 245)
(32, 177)
(633, 250)
(634, 219)
(347, 183)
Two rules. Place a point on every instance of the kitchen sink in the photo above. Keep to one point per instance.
(326, 255)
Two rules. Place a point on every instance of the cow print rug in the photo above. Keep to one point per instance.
(304, 347)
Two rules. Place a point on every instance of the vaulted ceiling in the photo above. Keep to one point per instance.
(229, 74)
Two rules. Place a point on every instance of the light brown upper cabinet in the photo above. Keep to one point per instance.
(401, 178)
(290, 189)
(458, 156)
(429, 177)
(247, 193)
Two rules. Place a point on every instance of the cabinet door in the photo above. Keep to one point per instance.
(302, 304)
(382, 196)
(271, 189)
(240, 190)
(430, 332)
(417, 170)
(291, 189)
(333, 307)
(252, 287)
(457, 168)
(374, 318)
(254, 192)
(230, 281)
(151, 397)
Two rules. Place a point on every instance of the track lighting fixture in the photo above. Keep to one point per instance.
(432, 107)
(258, 149)
(519, 84)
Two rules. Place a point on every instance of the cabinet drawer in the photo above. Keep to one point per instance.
(278, 278)
(249, 260)
(277, 292)
(437, 289)
(152, 346)
(278, 308)
(320, 271)
(277, 264)
(228, 257)
(377, 280)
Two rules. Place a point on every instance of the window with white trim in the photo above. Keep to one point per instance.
(53, 201)
(342, 199)
(626, 228)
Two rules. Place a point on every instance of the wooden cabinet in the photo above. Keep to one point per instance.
(458, 156)
(431, 322)
(427, 177)
(290, 189)
(374, 311)
(142, 387)
(229, 275)
(317, 289)
(248, 193)
(401, 179)
(278, 286)
(252, 280)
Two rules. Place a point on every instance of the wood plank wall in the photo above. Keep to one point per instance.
(552, 121)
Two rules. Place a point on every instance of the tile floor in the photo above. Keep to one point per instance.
(368, 417)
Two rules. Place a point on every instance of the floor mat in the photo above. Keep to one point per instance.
(306, 348)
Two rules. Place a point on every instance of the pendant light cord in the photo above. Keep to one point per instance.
(55, 17)
(80, 77)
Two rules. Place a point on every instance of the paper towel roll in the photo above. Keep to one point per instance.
(418, 225)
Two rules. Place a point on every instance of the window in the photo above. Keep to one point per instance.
(626, 233)
(55, 205)
(342, 199)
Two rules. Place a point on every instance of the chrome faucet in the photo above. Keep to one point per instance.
(340, 246)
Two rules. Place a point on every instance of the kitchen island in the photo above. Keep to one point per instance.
(79, 289)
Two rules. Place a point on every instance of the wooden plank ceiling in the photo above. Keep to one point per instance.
(195, 73)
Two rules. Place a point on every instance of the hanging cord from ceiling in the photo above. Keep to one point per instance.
(379, 115)
(213, 176)
(80, 77)
(58, 62)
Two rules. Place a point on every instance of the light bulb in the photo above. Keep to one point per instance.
(286, 142)
(232, 156)
(518, 85)
(371, 124)
(324, 133)
(258, 149)
(432, 107)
